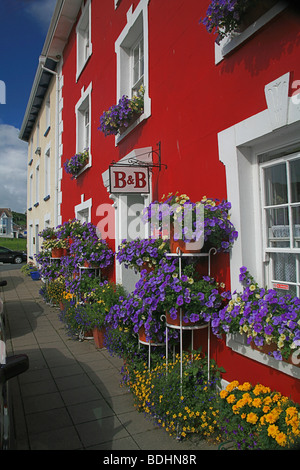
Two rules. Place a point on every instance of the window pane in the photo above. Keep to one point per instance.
(295, 180)
(284, 267)
(278, 230)
(135, 73)
(276, 185)
(296, 226)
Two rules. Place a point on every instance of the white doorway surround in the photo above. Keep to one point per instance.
(268, 136)
(125, 214)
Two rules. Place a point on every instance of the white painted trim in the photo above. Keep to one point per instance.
(85, 94)
(84, 12)
(119, 201)
(275, 128)
(132, 16)
(83, 206)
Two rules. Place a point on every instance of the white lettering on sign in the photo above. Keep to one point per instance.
(281, 286)
(131, 179)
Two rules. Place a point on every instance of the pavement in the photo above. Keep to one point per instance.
(71, 398)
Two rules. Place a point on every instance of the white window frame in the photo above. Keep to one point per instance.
(272, 131)
(289, 205)
(47, 170)
(135, 84)
(136, 27)
(83, 211)
(81, 129)
(30, 190)
(83, 39)
(37, 183)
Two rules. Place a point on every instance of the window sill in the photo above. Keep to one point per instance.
(230, 43)
(81, 69)
(88, 165)
(140, 119)
(238, 344)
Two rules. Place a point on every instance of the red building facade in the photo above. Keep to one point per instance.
(224, 119)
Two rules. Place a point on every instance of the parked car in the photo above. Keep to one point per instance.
(10, 366)
(12, 256)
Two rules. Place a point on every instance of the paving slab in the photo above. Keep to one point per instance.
(70, 398)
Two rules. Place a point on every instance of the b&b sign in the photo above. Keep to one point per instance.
(129, 179)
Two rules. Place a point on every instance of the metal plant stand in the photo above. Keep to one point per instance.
(181, 327)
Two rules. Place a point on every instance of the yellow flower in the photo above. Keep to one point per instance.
(245, 387)
(273, 430)
(257, 402)
(231, 398)
(232, 385)
(252, 418)
(281, 439)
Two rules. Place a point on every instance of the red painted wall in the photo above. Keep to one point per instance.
(192, 99)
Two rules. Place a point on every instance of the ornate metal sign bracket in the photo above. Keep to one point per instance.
(135, 162)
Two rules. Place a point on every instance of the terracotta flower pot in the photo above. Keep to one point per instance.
(144, 340)
(181, 244)
(147, 267)
(98, 334)
(176, 321)
(89, 264)
(57, 252)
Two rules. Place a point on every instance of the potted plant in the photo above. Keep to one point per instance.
(57, 247)
(90, 251)
(120, 116)
(167, 291)
(75, 164)
(142, 254)
(270, 320)
(48, 233)
(207, 220)
(97, 298)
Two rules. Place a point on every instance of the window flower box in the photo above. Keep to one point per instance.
(121, 116)
(269, 320)
(76, 163)
(226, 17)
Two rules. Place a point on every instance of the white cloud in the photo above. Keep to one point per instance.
(41, 11)
(13, 169)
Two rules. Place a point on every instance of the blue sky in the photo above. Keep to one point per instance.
(23, 29)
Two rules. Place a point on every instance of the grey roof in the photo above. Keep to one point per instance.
(62, 22)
